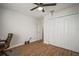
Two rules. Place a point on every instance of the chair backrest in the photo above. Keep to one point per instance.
(8, 40)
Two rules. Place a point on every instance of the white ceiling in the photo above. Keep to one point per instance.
(25, 8)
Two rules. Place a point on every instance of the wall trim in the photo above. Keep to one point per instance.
(61, 47)
(23, 44)
(16, 45)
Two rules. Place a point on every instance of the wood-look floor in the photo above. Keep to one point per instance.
(41, 49)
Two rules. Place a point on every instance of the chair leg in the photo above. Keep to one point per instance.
(4, 53)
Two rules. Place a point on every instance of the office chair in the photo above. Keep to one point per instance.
(5, 44)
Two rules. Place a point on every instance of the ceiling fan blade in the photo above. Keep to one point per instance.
(50, 4)
(37, 3)
(33, 8)
(43, 10)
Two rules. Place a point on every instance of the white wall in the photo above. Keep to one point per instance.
(62, 28)
(1, 17)
(0, 23)
(40, 27)
(20, 25)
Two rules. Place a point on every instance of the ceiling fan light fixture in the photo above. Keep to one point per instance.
(40, 8)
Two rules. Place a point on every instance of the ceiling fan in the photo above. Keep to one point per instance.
(40, 6)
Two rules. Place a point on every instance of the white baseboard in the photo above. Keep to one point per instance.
(13, 46)
(45, 42)
(16, 45)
